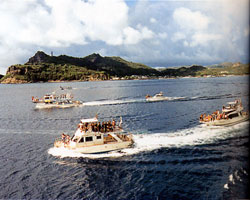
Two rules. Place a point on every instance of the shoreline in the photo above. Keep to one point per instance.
(119, 79)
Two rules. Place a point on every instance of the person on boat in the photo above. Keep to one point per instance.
(98, 127)
(110, 129)
(223, 116)
(86, 127)
(63, 137)
(201, 117)
(93, 127)
(105, 127)
(113, 124)
(67, 139)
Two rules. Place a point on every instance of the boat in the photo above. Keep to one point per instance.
(56, 101)
(91, 138)
(37, 100)
(156, 97)
(66, 88)
(231, 114)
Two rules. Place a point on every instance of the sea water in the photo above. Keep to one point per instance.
(174, 157)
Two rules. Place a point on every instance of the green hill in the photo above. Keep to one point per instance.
(182, 71)
(213, 70)
(43, 68)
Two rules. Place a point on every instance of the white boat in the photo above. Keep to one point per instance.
(231, 114)
(157, 97)
(56, 101)
(89, 141)
(66, 88)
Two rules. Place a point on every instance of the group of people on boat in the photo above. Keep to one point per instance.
(216, 115)
(104, 127)
(232, 106)
(65, 138)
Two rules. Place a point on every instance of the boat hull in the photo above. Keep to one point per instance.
(97, 148)
(227, 122)
(152, 99)
(55, 105)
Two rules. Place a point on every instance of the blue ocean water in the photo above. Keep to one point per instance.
(174, 157)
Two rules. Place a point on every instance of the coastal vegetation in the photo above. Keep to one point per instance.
(43, 68)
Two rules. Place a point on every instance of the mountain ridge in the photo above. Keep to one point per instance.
(43, 68)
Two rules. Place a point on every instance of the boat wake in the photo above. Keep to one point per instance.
(198, 135)
(126, 101)
(143, 100)
(112, 102)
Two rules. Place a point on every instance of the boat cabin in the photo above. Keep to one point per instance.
(159, 94)
(49, 98)
(90, 138)
(235, 106)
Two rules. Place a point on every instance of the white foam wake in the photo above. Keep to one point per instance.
(113, 102)
(148, 142)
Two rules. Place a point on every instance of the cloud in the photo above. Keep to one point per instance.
(33, 24)
(151, 32)
(178, 36)
(189, 20)
(61, 23)
(163, 35)
(153, 20)
(204, 39)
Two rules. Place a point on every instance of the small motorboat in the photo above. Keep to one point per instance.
(231, 114)
(93, 137)
(66, 88)
(156, 97)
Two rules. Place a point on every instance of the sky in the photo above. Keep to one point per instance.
(158, 33)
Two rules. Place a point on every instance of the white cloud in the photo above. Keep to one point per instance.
(163, 35)
(189, 20)
(133, 36)
(185, 43)
(153, 20)
(204, 39)
(178, 36)
(61, 23)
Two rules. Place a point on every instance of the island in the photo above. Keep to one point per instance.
(48, 68)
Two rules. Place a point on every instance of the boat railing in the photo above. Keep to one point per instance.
(125, 137)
